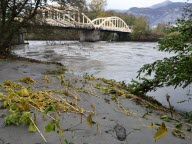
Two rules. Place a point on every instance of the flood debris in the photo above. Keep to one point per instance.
(65, 108)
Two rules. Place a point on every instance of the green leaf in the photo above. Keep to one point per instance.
(1, 96)
(67, 142)
(14, 106)
(32, 127)
(50, 126)
(13, 119)
(25, 118)
(161, 132)
(179, 125)
(165, 118)
(5, 104)
(50, 108)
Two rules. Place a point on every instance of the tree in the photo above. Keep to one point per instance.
(175, 70)
(128, 18)
(81, 4)
(15, 14)
(156, 33)
(161, 27)
(98, 5)
(96, 9)
(140, 28)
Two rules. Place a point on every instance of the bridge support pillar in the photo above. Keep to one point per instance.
(89, 35)
(123, 36)
(19, 38)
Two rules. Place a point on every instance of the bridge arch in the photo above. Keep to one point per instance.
(111, 23)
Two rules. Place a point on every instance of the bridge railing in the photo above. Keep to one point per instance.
(66, 18)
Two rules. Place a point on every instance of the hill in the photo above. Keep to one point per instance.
(166, 12)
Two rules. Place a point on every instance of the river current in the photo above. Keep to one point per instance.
(113, 60)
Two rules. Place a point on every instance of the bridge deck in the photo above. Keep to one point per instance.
(74, 19)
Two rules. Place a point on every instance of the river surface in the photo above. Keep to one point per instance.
(112, 60)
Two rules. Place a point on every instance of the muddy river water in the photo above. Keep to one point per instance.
(113, 60)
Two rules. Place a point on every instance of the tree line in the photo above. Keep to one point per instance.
(139, 24)
(96, 8)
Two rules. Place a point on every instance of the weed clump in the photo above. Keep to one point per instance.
(58, 71)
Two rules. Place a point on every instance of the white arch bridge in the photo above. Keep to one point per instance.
(70, 17)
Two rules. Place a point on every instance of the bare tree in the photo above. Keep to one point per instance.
(98, 5)
(15, 14)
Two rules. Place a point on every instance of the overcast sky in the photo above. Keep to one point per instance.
(126, 4)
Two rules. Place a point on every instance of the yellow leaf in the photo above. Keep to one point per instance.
(89, 120)
(24, 106)
(161, 132)
(27, 80)
(46, 79)
(24, 92)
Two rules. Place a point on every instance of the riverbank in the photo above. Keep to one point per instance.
(98, 110)
(51, 33)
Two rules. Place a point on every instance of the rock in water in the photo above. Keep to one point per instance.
(120, 132)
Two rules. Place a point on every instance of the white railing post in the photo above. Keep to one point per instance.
(74, 16)
(79, 19)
